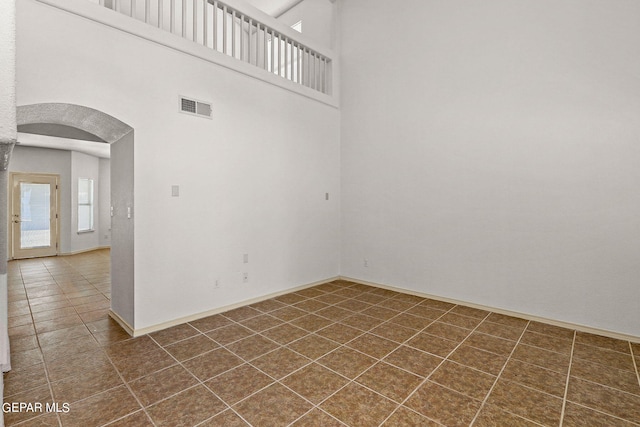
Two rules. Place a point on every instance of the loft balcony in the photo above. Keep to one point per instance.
(230, 33)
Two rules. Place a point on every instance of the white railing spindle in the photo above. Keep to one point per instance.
(299, 56)
(194, 23)
(275, 53)
(265, 48)
(233, 34)
(241, 37)
(214, 25)
(184, 19)
(224, 29)
(285, 58)
(250, 57)
(279, 53)
(205, 23)
(172, 17)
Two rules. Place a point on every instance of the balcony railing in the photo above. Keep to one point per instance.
(218, 26)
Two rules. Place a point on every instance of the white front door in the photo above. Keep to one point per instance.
(34, 215)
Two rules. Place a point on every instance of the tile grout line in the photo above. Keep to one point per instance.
(635, 361)
(314, 406)
(566, 387)
(200, 382)
(444, 359)
(349, 381)
(495, 382)
(126, 384)
(310, 332)
(286, 346)
(341, 345)
(44, 363)
(486, 398)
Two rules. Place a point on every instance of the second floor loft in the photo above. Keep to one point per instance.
(233, 33)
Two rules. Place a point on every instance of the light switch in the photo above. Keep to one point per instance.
(175, 191)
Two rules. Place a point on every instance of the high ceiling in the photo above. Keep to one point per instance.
(273, 7)
(60, 137)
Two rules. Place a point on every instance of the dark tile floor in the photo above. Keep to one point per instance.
(332, 355)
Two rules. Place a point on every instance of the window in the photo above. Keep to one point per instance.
(85, 205)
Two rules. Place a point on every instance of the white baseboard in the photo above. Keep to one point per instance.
(562, 324)
(128, 329)
(81, 251)
(158, 327)
(191, 318)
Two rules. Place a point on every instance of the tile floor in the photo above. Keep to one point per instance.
(332, 355)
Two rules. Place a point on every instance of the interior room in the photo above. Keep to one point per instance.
(321, 212)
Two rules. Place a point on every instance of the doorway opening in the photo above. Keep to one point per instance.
(70, 122)
(34, 221)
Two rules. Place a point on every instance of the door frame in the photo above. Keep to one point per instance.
(55, 210)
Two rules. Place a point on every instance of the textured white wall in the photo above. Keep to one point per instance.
(123, 230)
(252, 180)
(317, 18)
(105, 202)
(8, 133)
(490, 153)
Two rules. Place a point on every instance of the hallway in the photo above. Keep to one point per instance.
(58, 309)
(332, 355)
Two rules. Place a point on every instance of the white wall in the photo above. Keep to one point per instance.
(8, 135)
(252, 180)
(123, 230)
(70, 165)
(44, 160)
(317, 18)
(490, 153)
(104, 194)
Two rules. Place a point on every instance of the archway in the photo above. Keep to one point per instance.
(55, 117)
(71, 120)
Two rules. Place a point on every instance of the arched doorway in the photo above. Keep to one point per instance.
(81, 122)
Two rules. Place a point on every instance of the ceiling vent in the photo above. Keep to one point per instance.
(194, 107)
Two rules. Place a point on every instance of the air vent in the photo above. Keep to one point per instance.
(194, 107)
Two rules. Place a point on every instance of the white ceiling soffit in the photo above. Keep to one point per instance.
(273, 8)
(97, 149)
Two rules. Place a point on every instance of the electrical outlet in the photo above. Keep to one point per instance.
(366, 262)
(245, 277)
(245, 258)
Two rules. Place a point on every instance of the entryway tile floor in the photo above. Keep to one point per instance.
(336, 354)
